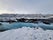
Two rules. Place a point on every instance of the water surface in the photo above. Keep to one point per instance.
(15, 25)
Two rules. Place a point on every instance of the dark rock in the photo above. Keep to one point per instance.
(46, 22)
(0, 23)
(11, 21)
(21, 20)
(2, 30)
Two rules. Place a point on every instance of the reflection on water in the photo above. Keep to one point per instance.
(7, 26)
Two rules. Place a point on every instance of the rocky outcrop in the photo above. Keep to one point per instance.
(46, 21)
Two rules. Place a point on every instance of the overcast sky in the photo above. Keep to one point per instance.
(26, 6)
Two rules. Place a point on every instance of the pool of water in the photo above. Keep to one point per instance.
(15, 25)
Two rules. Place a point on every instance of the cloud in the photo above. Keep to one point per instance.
(27, 6)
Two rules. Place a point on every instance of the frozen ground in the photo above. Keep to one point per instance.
(27, 33)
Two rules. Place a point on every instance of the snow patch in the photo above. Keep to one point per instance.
(27, 33)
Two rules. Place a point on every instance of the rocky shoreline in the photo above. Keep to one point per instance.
(46, 21)
(31, 18)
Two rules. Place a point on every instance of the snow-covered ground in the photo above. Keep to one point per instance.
(27, 33)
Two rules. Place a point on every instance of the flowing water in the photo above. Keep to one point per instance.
(15, 25)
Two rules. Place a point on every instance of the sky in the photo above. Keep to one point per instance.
(26, 6)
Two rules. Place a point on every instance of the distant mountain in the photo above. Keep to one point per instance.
(25, 15)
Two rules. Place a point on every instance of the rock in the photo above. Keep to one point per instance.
(0, 23)
(46, 22)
